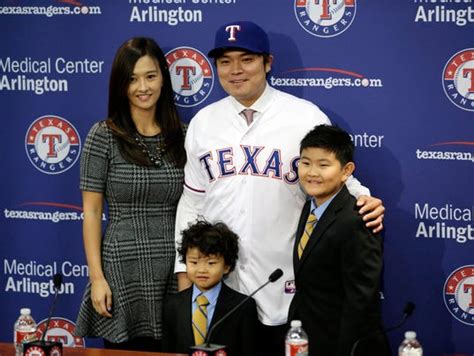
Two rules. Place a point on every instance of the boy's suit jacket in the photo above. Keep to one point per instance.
(337, 280)
(238, 332)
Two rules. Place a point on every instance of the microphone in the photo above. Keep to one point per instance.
(57, 281)
(276, 274)
(47, 347)
(407, 312)
(209, 349)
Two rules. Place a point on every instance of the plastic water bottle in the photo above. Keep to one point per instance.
(296, 342)
(410, 346)
(24, 330)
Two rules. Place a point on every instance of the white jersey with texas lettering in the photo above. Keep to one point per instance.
(246, 177)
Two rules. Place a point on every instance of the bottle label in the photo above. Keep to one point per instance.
(296, 349)
(414, 352)
(25, 336)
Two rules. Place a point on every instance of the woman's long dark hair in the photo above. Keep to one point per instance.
(119, 117)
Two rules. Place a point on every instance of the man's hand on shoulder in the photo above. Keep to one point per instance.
(373, 211)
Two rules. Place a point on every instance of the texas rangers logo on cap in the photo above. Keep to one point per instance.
(191, 74)
(232, 29)
(240, 35)
(458, 79)
(459, 294)
(325, 18)
(52, 144)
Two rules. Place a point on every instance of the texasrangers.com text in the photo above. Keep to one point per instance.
(327, 83)
(442, 155)
(56, 216)
(50, 11)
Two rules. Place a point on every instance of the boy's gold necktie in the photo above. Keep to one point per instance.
(200, 320)
(307, 233)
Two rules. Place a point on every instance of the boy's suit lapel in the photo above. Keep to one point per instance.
(299, 233)
(323, 224)
(187, 317)
(220, 307)
(223, 304)
(326, 220)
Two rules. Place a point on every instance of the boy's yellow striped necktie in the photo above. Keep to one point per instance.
(200, 320)
(312, 219)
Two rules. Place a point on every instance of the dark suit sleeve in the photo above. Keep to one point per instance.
(248, 328)
(169, 336)
(361, 256)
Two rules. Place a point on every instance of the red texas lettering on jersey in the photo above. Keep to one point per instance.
(222, 164)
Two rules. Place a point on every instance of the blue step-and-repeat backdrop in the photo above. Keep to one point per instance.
(397, 74)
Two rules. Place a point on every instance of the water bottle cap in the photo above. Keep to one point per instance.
(25, 311)
(410, 335)
(296, 324)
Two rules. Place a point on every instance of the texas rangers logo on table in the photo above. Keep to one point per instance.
(35, 351)
(458, 79)
(192, 76)
(52, 144)
(459, 294)
(325, 18)
(60, 330)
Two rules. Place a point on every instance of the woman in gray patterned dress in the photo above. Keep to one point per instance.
(134, 162)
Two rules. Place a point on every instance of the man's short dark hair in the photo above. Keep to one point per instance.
(210, 239)
(221, 52)
(331, 138)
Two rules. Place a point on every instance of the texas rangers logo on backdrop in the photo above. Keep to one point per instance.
(325, 18)
(191, 76)
(60, 330)
(459, 294)
(52, 144)
(458, 79)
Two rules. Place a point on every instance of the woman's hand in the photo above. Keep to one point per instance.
(101, 297)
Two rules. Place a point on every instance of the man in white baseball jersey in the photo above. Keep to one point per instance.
(242, 169)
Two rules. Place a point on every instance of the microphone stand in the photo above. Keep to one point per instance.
(407, 312)
(50, 313)
(42, 347)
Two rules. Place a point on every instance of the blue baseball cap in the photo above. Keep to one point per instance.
(244, 35)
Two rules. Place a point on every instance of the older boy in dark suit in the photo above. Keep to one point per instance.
(210, 252)
(337, 260)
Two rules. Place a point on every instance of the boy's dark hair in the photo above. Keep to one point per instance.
(211, 239)
(331, 138)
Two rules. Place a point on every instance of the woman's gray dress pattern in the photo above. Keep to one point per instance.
(138, 249)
